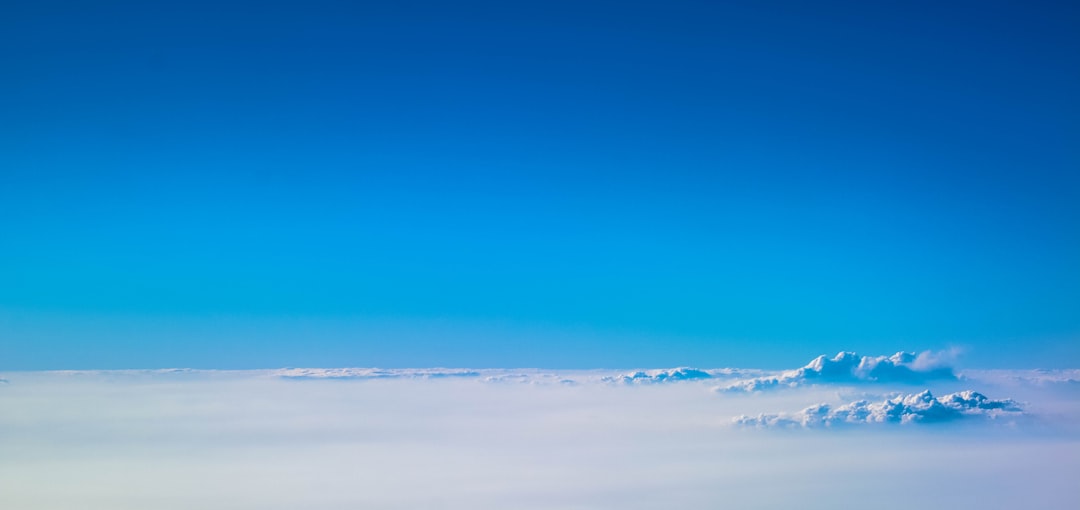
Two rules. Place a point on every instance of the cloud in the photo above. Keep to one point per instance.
(908, 409)
(117, 440)
(661, 375)
(1036, 377)
(524, 375)
(496, 375)
(528, 378)
(849, 367)
(374, 373)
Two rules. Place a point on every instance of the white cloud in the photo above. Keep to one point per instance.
(660, 375)
(528, 378)
(1037, 377)
(504, 438)
(373, 373)
(849, 367)
(525, 376)
(913, 408)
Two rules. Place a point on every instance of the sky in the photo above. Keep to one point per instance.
(537, 184)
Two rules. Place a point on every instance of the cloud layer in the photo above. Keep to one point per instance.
(515, 438)
(661, 375)
(849, 367)
(373, 373)
(920, 407)
(527, 376)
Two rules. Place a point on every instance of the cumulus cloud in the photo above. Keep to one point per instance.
(849, 367)
(907, 409)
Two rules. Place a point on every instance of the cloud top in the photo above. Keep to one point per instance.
(849, 367)
(907, 409)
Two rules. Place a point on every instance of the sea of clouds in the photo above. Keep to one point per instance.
(845, 430)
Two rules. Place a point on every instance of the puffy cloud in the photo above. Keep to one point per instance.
(849, 367)
(913, 408)
(661, 375)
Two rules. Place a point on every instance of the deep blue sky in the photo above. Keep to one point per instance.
(559, 184)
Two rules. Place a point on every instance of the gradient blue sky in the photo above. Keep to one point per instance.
(560, 184)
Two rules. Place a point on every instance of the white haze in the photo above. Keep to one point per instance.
(509, 439)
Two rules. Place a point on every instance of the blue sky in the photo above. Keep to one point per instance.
(558, 184)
